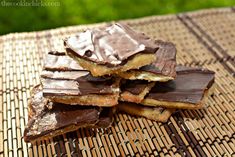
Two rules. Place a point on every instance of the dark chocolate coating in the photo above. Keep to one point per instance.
(188, 87)
(43, 121)
(112, 45)
(63, 76)
(134, 86)
(105, 117)
(60, 61)
(166, 60)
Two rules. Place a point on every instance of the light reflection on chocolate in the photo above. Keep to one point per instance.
(111, 45)
(189, 86)
(68, 78)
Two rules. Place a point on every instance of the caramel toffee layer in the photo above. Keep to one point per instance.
(63, 76)
(154, 113)
(112, 45)
(50, 122)
(165, 60)
(188, 87)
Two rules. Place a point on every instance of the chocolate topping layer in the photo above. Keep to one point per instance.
(106, 117)
(188, 87)
(64, 75)
(166, 60)
(68, 78)
(60, 61)
(43, 121)
(111, 45)
(134, 86)
(75, 87)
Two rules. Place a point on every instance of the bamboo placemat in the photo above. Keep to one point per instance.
(203, 38)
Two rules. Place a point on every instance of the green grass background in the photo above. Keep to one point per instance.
(73, 12)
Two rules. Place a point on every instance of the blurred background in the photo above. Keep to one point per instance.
(33, 15)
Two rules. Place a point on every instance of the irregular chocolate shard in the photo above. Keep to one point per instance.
(166, 60)
(135, 90)
(162, 69)
(67, 74)
(189, 88)
(66, 82)
(44, 122)
(111, 45)
(134, 86)
(60, 61)
(36, 102)
(106, 117)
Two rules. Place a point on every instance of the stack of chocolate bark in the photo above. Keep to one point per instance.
(111, 68)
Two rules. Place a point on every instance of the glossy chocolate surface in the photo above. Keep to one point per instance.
(63, 76)
(112, 45)
(166, 60)
(105, 117)
(43, 121)
(60, 61)
(188, 87)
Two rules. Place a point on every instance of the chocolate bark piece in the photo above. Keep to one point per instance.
(163, 69)
(111, 49)
(159, 114)
(44, 123)
(188, 91)
(135, 90)
(68, 83)
(60, 61)
(106, 117)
